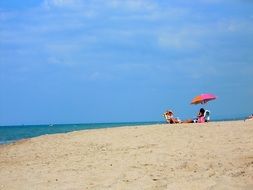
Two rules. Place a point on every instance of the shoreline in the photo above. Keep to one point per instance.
(110, 125)
(215, 155)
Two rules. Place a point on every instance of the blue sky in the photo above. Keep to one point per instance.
(73, 61)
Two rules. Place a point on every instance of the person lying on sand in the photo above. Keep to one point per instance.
(199, 119)
(169, 116)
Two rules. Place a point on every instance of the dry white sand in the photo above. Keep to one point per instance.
(216, 155)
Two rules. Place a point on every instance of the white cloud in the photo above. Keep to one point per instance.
(186, 37)
(211, 1)
(132, 4)
(236, 25)
(54, 60)
(60, 3)
(177, 41)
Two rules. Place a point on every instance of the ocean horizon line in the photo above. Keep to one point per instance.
(81, 123)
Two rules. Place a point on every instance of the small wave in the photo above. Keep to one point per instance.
(6, 142)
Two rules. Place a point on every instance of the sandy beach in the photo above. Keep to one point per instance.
(216, 155)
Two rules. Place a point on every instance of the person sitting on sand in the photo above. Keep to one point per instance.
(169, 116)
(200, 117)
(249, 117)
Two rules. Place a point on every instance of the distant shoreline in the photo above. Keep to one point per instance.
(31, 131)
(148, 122)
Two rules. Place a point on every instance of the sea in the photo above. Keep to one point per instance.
(9, 134)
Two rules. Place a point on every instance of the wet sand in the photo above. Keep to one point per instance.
(216, 155)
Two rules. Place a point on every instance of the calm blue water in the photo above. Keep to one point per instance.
(10, 134)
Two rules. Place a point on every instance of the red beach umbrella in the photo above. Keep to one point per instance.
(203, 98)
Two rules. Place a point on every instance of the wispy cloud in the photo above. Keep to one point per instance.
(117, 28)
(61, 3)
(178, 40)
(129, 5)
(133, 5)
